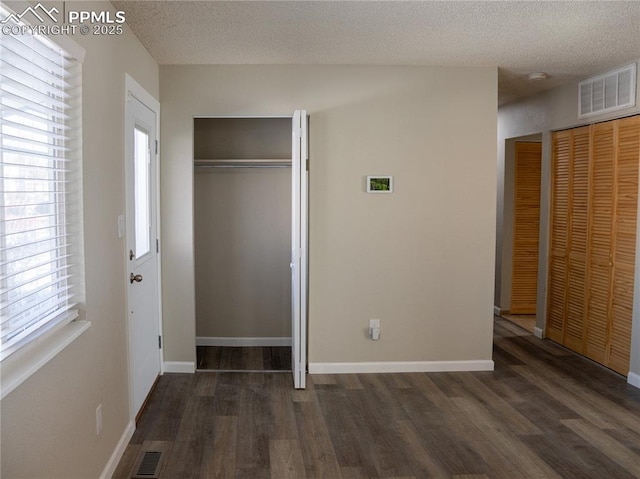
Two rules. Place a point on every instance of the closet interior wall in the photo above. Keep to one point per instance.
(242, 228)
(594, 189)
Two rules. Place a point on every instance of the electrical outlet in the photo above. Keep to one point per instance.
(98, 419)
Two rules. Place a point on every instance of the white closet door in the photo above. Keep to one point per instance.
(299, 250)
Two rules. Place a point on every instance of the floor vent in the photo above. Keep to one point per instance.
(149, 467)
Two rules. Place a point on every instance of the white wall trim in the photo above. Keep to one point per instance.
(634, 379)
(180, 367)
(114, 460)
(255, 342)
(496, 311)
(138, 91)
(538, 332)
(401, 367)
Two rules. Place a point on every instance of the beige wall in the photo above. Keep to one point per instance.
(48, 423)
(243, 250)
(543, 113)
(421, 259)
(242, 138)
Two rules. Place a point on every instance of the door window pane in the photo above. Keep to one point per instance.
(141, 191)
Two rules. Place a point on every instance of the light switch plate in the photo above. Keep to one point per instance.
(120, 226)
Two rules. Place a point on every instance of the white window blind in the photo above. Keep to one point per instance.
(40, 254)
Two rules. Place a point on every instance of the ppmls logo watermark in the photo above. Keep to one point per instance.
(45, 21)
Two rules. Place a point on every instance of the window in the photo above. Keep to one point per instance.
(41, 272)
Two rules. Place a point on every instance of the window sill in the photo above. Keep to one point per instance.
(18, 367)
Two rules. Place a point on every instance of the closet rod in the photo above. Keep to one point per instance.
(243, 163)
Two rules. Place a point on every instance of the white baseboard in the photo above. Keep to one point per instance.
(114, 460)
(634, 379)
(400, 367)
(179, 367)
(255, 342)
(496, 311)
(538, 332)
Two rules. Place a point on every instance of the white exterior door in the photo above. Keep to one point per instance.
(299, 179)
(142, 249)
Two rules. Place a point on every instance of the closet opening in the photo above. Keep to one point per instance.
(243, 243)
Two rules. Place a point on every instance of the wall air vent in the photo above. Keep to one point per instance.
(610, 91)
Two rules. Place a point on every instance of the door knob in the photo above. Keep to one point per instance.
(135, 277)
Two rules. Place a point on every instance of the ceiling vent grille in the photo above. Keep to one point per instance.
(610, 91)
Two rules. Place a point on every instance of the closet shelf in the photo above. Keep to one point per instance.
(243, 163)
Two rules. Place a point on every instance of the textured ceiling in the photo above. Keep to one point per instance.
(568, 40)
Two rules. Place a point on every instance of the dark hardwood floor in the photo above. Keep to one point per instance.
(544, 412)
(226, 358)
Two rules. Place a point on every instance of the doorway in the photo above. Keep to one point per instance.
(523, 185)
(142, 242)
(249, 221)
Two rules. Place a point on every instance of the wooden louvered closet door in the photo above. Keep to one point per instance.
(569, 216)
(600, 235)
(593, 231)
(558, 258)
(624, 243)
(526, 228)
(574, 330)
